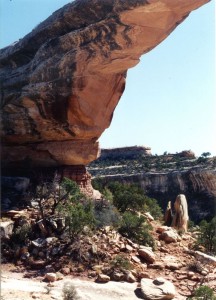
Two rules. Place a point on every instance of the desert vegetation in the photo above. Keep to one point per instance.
(111, 238)
(148, 163)
(204, 293)
(207, 236)
(69, 217)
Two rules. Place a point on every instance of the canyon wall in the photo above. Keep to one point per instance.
(60, 84)
(197, 184)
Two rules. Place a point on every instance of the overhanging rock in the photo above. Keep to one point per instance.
(62, 82)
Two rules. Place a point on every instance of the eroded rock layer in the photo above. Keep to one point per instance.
(62, 82)
(17, 181)
(198, 185)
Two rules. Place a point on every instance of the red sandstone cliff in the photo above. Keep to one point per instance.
(62, 82)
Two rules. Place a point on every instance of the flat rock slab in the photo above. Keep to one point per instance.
(158, 289)
(22, 288)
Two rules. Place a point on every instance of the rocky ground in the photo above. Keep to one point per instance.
(40, 269)
(15, 286)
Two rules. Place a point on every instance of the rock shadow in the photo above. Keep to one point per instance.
(138, 293)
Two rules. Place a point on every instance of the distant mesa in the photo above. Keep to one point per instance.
(125, 152)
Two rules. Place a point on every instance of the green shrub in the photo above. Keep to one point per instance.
(206, 154)
(21, 233)
(135, 228)
(202, 160)
(203, 293)
(108, 194)
(65, 200)
(69, 291)
(191, 225)
(106, 214)
(50, 194)
(77, 215)
(152, 206)
(195, 266)
(207, 235)
(131, 196)
(120, 261)
(98, 184)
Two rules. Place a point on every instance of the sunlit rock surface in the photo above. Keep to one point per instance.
(62, 82)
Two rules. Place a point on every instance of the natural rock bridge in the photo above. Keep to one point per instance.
(62, 82)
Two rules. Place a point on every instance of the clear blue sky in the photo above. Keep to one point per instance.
(169, 102)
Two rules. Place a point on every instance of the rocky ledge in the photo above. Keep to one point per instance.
(172, 271)
(62, 82)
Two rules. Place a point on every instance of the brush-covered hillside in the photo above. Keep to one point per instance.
(163, 177)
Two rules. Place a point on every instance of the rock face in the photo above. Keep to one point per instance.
(62, 82)
(14, 187)
(180, 219)
(198, 185)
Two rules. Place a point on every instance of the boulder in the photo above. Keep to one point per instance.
(170, 236)
(161, 229)
(180, 218)
(39, 243)
(135, 259)
(130, 277)
(118, 276)
(157, 289)
(128, 248)
(147, 254)
(102, 278)
(65, 270)
(144, 274)
(148, 216)
(173, 265)
(6, 229)
(51, 277)
(37, 264)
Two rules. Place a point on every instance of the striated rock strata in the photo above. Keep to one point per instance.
(61, 83)
(197, 184)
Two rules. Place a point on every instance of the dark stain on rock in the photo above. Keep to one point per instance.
(59, 109)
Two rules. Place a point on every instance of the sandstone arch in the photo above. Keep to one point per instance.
(60, 84)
